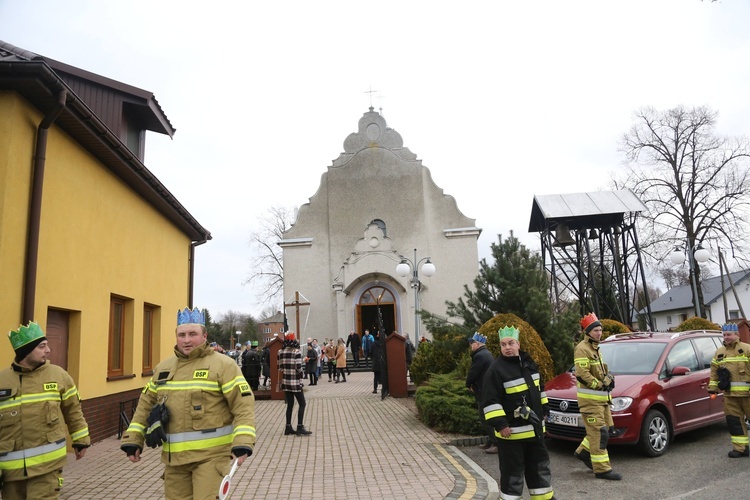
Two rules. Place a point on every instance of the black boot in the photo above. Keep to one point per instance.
(738, 454)
(301, 431)
(584, 457)
(289, 430)
(610, 474)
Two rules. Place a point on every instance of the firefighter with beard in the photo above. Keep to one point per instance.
(730, 373)
(594, 386)
(515, 405)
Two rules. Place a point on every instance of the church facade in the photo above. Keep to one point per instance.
(377, 206)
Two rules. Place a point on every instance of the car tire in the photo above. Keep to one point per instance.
(655, 434)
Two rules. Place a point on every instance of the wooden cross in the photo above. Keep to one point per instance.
(296, 304)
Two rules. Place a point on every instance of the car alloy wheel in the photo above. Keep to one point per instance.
(654, 434)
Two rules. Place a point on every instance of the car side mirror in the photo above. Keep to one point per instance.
(680, 370)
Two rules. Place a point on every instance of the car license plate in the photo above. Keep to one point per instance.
(563, 418)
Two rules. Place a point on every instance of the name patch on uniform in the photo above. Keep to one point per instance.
(200, 374)
(4, 393)
(244, 387)
(583, 363)
(50, 386)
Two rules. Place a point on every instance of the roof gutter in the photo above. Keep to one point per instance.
(191, 265)
(35, 207)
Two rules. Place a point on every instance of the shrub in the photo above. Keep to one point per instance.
(696, 323)
(612, 327)
(530, 341)
(442, 355)
(445, 405)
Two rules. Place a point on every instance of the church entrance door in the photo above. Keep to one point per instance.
(376, 303)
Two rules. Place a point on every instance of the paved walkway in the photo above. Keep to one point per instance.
(361, 447)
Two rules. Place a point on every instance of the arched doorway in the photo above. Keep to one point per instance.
(376, 301)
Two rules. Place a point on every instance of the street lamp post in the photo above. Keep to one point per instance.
(239, 332)
(698, 254)
(428, 269)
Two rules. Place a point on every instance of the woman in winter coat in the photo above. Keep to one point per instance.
(311, 362)
(340, 357)
(290, 367)
(330, 354)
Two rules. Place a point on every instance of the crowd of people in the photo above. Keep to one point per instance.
(199, 446)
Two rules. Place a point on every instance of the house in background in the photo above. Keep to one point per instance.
(675, 306)
(92, 246)
(270, 326)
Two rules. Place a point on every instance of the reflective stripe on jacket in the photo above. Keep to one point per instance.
(590, 369)
(735, 357)
(211, 407)
(38, 408)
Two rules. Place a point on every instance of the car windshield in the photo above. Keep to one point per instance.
(631, 358)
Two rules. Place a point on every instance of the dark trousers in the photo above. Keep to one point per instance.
(290, 397)
(524, 458)
(375, 380)
(314, 378)
(355, 356)
(368, 357)
(331, 369)
(340, 373)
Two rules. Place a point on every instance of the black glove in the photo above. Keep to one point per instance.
(725, 379)
(130, 449)
(239, 451)
(156, 433)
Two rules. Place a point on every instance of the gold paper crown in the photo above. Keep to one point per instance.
(24, 335)
(508, 332)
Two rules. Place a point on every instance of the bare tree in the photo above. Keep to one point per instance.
(267, 266)
(694, 182)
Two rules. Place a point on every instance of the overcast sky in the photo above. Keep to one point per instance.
(500, 100)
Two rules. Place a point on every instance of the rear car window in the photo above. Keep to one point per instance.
(706, 349)
(683, 354)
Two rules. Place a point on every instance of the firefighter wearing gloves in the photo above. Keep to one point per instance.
(730, 374)
(199, 408)
(39, 406)
(515, 406)
(594, 387)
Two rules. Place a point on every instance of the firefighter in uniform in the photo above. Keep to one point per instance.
(200, 409)
(730, 373)
(515, 405)
(39, 406)
(594, 386)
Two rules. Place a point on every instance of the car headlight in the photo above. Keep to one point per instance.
(621, 403)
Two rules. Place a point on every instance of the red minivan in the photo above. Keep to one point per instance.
(660, 389)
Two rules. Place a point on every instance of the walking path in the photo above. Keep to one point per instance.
(361, 448)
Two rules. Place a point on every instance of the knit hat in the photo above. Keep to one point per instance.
(589, 322)
(509, 332)
(25, 339)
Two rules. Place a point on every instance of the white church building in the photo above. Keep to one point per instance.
(377, 206)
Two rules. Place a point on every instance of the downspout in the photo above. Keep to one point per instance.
(35, 208)
(191, 264)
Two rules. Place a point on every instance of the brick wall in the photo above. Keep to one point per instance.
(103, 414)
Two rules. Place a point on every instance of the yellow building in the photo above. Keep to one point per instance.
(92, 246)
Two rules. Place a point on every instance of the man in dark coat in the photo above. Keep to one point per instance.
(354, 342)
(481, 359)
(251, 365)
(516, 406)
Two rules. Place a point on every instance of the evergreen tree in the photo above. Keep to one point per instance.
(516, 283)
